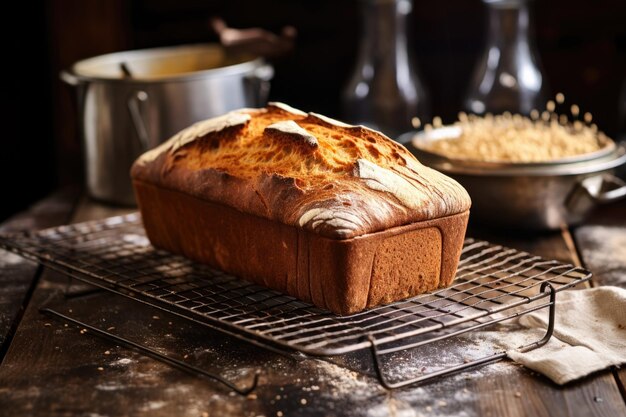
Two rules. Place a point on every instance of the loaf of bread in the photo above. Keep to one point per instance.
(337, 215)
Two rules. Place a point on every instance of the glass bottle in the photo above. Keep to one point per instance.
(509, 75)
(622, 114)
(385, 92)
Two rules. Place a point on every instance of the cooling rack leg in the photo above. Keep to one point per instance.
(551, 319)
(66, 290)
(68, 294)
(156, 355)
(453, 369)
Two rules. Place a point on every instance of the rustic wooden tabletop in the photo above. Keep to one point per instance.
(52, 368)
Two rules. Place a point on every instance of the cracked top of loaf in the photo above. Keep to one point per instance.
(302, 169)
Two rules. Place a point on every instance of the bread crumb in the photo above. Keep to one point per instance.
(110, 328)
(204, 414)
(107, 352)
(518, 394)
(303, 401)
(442, 403)
(100, 368)
(279, 414)
(47, 324)
(156, 317)
(252, 396)
(429, 408)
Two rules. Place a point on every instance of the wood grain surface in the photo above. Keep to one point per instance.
(53, 368)
(601, 242)
(19, 276)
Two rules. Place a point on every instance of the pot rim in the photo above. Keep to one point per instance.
(246, 66)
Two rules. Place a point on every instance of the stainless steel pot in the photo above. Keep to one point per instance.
(129, 102)
(529, 196)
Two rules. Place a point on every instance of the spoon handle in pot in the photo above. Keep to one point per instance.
(134, 103)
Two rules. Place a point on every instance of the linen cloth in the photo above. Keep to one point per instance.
(589, 334)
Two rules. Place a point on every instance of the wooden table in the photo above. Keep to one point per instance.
(51, 368)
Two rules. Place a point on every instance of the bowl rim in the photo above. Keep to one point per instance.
(610, 156)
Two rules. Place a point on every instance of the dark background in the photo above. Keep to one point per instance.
(582, 45)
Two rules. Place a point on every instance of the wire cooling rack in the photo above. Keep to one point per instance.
(493, 284)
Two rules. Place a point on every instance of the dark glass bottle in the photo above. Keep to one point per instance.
(508, 76)
(385, 92)
(622, 114)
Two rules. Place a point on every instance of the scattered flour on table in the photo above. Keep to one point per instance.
(153, 405)
(178, 389)
(123, 361)
(478, 344)
(110, 387)
(8, 258)
(344, 381)
(393, 408)
(238, 372)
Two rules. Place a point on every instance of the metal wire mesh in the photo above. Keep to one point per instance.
(115, 254)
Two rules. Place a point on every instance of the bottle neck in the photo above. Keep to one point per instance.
(509, 23)
(384, 27)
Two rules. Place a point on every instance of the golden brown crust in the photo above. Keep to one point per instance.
(302, 170)
(337, 215)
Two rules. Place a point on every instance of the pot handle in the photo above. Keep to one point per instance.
(80, 85)
(134, 103)
(257, 84)
(70, 78)
(598, 189)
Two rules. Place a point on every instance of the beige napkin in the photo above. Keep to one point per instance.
(589, 334)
